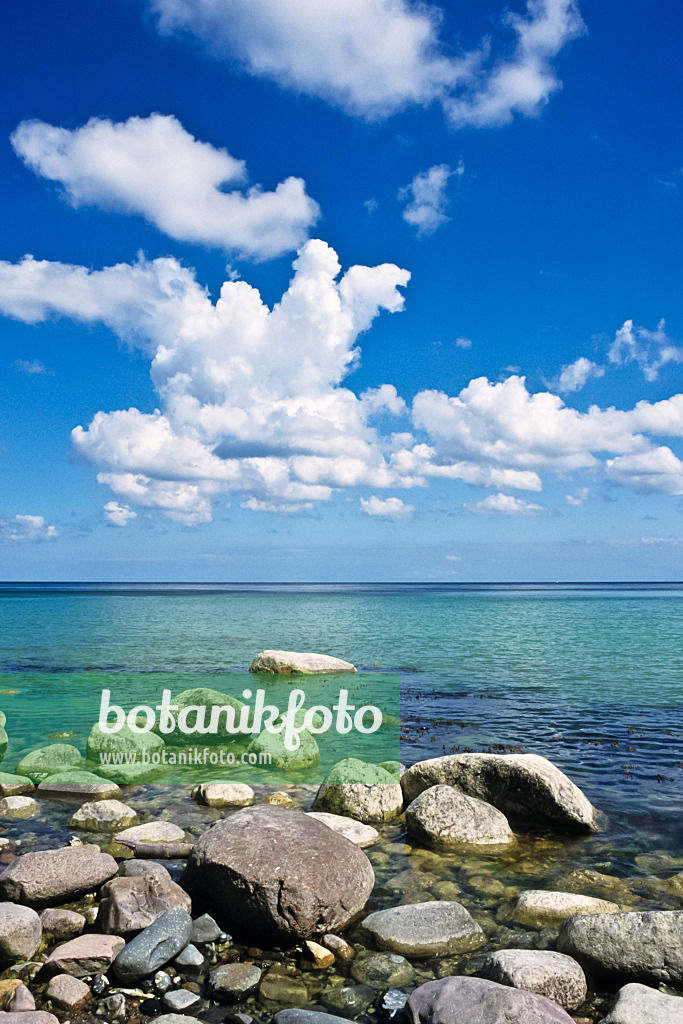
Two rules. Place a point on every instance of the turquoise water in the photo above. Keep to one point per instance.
(590, 676)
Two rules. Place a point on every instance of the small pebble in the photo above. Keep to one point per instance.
(180, 1000)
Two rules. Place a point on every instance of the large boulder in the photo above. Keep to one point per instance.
(103, 749)
(130, 904)
(272, 746)
(638, 1004)
(445, 816)
(53, 876)
(546, 973)
(524, 787)
(295, 663)
(424, 929)
(359, 790)
(45, 761)
(204, 701)
(638, 945)
(456, 1000)
(279, 872)
(20, 933)
(538, 908)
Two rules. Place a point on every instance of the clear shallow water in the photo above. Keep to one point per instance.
(590, 676)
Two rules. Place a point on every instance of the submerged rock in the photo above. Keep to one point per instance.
(642, 945)
(445, 816)
(232, 982)
(550, 974)
(355, 831)
(18, 807)
(279, 871)
(45, 761)
(424, 929)
(82, 785)
(541, 909)
(20, 933)
(293, 662)
(382, 970)
(359, 790)
(272, 746)
(525, 787)
(61, 925)
(638, 1004)
(478, 1001)
(52, 876)
(198, 705)
(15, 785)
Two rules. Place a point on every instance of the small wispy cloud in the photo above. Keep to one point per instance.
(386, 508)
(33, 367)
(504, 505)
(427, 198)
(651, 350)
(574, 376)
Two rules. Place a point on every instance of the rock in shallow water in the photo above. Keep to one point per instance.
(445, 816)
(104, 816)
(155, 946)
(424, 929)
(15, 785)
(29, 1017)
(638, 1004)
(477, 1001)
(355, 831)
(79, 785)
(525, 787)
(179, 999)
(355, 789)
(20, 933)
(18, 807)
(53, 876)
(554, 975)
(279, 872)
(644, 946)
(223, 794)
(303, 663)
(48, 760)
(542, 909)
(232, 982)
(382, 970)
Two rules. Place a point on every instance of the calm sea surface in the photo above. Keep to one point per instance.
(590, 676)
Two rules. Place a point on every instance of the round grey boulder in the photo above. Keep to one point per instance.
(275, 871)
(20, 933)
(359, 790)
(639, 945)
(525, 787)
(546, 973)
(445, 816)
(638, 1004)
(455, 1000)
(424, 929)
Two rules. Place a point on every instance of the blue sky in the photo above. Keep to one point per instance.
(472, 373)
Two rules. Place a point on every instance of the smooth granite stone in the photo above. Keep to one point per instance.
(130, 904)
(67, 992)
(179, 999)
(542, 909)
(154, 947)
(234, 981)
(359, 833)
(524, 787)
(104, 816)
(280, 873)
(349, 1000)
(550, 974)
(53, 876)
(637, 945)
(355, 789)
(424, 929)
(61, 925)
(462, 1000)
(638, 1004)
(445, 816)
(29, 1017)
(152, 832)
(15, 785)
(205, 929)
(133, 868)
(382, 970)
(22, 1000)
(20, 933)
(223, 794)
(45, 761)
(298, 663)
(86, 955)
(17, 807)
(76, 784)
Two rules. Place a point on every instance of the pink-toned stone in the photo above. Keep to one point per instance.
(88, 954)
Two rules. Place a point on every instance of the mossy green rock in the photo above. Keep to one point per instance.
(359, 790)
(46, 761)
(272, 745)
(203, 697)
(15, 785)
(75, 784)
(3, 741)
(351, 771)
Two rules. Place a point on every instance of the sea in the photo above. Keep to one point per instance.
(587, 675)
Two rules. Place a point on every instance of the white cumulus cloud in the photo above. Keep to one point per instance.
(19, 528)
(188, 189)
(574, 376)
(374, 57)
(386, 508)
(504, 505)
(426, 199)
(117, 514)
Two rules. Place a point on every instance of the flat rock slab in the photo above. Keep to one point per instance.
(524, 787)
(355, 831)
(308, 1017)
(18, 807)
(276, 871)
(223, 794)
(52, 876)
(456, 1000)
(638, 1004)
(67, 992)
(152, 832)
(174, 1018)
(546, 973)
(86, 955)
(424, 929)
(20, 933)
(180, 999)
(29, 1017)
(155, 946)
(294, 662)
(542, 909)
(445, 816)
(130, 904)
(78, 785)
(639, 945)
(15, 785)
